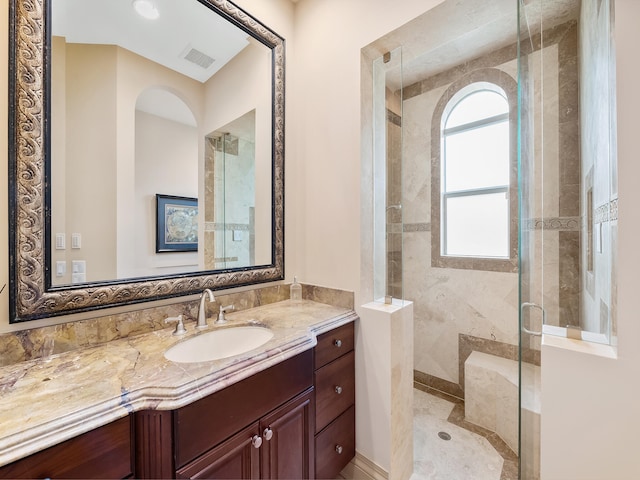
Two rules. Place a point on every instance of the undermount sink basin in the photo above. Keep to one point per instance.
(218, 344)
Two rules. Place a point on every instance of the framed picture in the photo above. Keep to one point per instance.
(176, 224)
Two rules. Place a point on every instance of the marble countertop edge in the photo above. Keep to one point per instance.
(149, 397)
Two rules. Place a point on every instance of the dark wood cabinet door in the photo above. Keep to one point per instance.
(236, 458)
(287, 449)
(101, 453)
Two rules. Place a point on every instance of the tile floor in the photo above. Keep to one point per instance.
(471, 452)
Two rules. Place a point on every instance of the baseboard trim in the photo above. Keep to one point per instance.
(361, 468)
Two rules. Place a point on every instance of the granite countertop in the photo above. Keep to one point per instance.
(47, 401)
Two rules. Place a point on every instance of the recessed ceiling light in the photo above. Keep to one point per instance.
(146, 9)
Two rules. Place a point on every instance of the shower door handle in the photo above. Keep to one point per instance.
(544, 317)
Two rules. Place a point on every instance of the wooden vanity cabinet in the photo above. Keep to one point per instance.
(334, 380)
(105, 452)
(260, 427)
(284, 448)
(295, 419)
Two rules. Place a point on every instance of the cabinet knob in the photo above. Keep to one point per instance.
(267, 434)
(338, 389)
(256, 441)
(337, 343)
(339, 449)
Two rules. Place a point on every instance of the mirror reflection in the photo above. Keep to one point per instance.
(153, 101)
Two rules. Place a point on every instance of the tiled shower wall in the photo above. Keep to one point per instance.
(457, 311)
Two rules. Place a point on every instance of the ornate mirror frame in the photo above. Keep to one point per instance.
(29, 205)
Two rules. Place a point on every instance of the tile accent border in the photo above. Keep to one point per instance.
(446, 387)
(456, 417)
(417, 227)
(466, 345)
(607, 212)
(221, 227)
(566, 224)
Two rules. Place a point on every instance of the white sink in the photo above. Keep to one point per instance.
(218, 344)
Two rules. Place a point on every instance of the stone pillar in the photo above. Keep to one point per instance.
(384, 390)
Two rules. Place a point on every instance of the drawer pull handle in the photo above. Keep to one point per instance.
(339, 449)
(267, 434)
(338, 389)
(256, 441)
(338, 343)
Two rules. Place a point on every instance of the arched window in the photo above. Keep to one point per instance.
(475, 168)
(474, 198)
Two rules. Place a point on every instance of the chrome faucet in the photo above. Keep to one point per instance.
(221, 318)
(202, 314)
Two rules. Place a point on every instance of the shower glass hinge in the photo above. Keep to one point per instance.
(388, 299)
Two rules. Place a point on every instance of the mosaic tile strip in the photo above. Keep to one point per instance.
(417, 227)
(567, 224)
(607, 212)
(219, 227)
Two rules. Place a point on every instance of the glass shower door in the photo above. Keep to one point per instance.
(533, 242)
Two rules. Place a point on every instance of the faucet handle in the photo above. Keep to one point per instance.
(221, 318)
(180, 330)
(227, 308)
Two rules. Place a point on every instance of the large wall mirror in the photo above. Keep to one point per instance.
(146, 152)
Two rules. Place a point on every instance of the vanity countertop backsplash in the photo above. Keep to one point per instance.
(50, 399)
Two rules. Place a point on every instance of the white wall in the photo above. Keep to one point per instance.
(325, 107)
(590, 408)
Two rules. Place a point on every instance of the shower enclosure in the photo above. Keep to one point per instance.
(493, 257)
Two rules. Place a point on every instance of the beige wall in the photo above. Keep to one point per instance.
(166, 162)
(88, 156)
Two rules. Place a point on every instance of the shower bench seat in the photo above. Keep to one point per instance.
(491, 395)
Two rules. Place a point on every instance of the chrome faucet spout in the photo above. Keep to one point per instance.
(202, 314)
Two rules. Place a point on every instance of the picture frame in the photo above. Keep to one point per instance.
(176, 224)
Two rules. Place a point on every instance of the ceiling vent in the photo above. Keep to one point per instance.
(194, 55)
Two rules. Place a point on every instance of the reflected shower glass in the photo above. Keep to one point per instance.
(388, 176)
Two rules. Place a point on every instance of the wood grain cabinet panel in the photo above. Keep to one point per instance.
(280, 445)
(101, 453)
(288, 447)
(203, 424)
(235, 458)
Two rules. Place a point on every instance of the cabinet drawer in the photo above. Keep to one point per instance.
(336, 445)
(335, 389)
(101, 453)
(333, 344)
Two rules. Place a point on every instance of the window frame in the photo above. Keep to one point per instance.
(483, 79)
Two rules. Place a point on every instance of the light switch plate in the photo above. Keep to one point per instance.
(76, 240)
(61, 268)
(60, 241)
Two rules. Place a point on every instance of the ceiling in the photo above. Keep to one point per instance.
(457, 31)
(181, 27)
